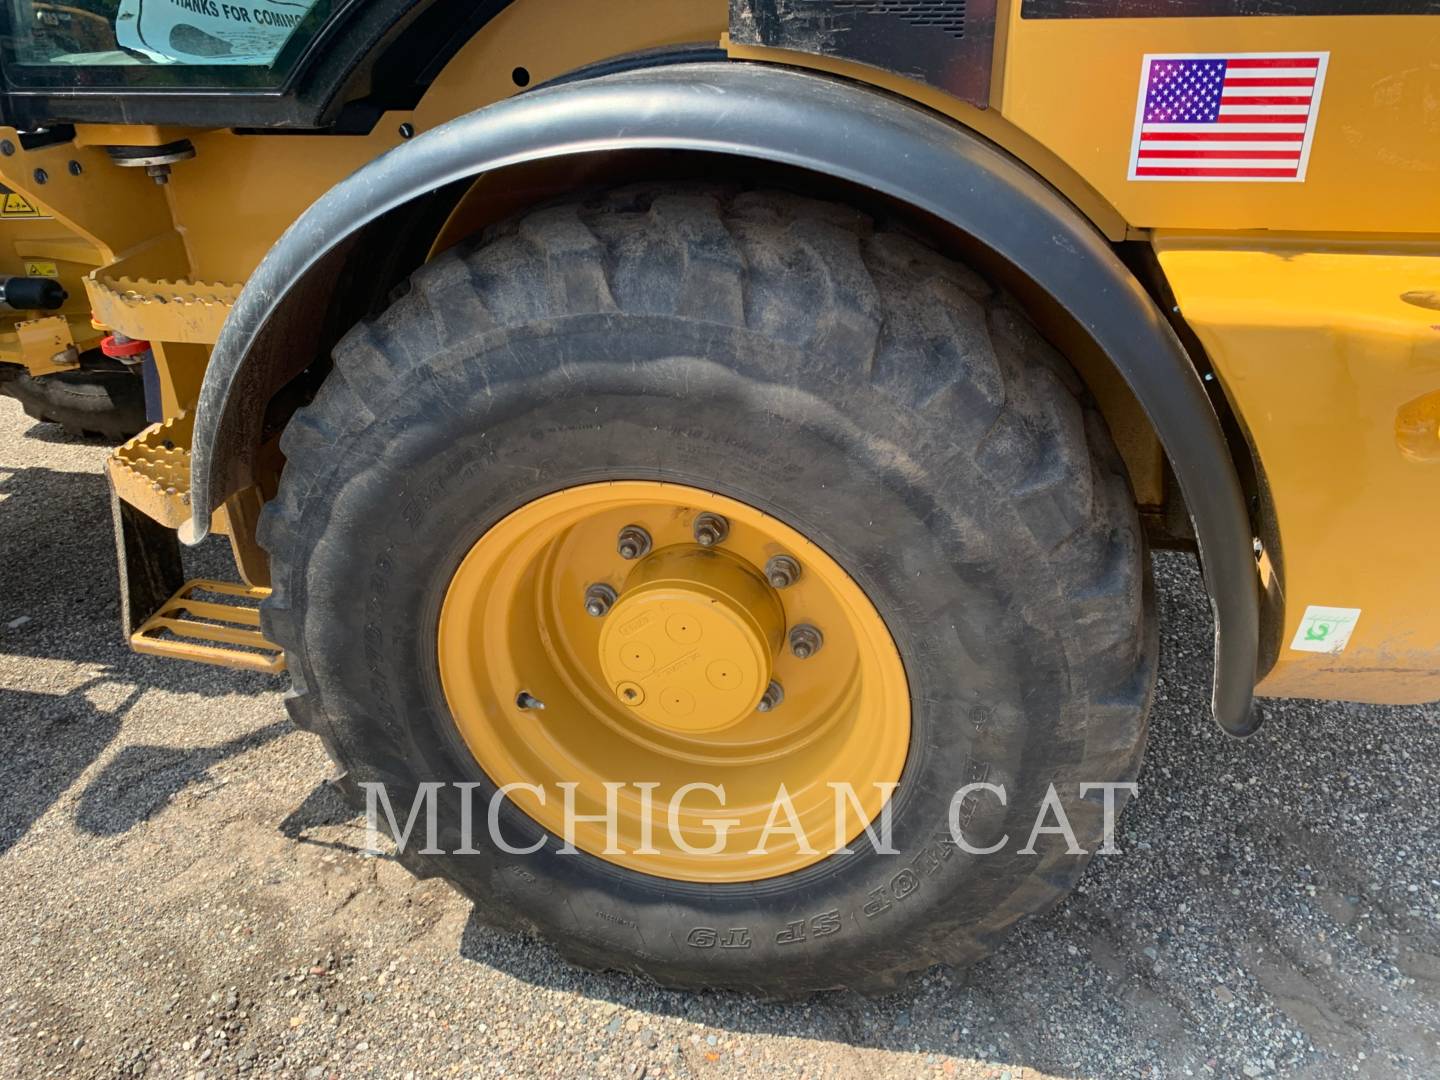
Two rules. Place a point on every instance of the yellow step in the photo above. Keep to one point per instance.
(189, 627)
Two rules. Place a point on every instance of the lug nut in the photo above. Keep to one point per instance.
(805, 641)
(771, 699)
(599, 599)
(782, 571)
(633, 542)
(710, 529)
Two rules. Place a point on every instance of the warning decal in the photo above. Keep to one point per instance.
(13, 205)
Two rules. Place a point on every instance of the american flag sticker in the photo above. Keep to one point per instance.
(1223, 116)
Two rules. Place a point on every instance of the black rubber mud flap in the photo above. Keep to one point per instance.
(148, 558)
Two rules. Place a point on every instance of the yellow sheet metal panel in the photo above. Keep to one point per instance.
(80, 188)
(47, 345)
(1073, 85)
(988, 122)
(240, 192)
(129, 134)
(1330, 354)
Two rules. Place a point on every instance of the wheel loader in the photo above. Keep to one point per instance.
(654, 435)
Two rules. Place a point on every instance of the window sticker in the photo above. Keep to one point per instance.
(208, 31)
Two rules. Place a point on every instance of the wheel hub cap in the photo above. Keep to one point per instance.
(689, 646)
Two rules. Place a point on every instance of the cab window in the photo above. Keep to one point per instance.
(176, 44)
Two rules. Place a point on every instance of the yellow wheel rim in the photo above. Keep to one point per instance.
(675, 684)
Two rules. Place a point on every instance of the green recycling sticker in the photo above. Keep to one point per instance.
(1325, 629)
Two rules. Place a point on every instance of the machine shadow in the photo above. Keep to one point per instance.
(326, 807)
(936, 1014)
(64, 618)
(139, 780)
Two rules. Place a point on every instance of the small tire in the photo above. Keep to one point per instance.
(833, 372)
(98, 402)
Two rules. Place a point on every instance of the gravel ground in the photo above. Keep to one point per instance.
(180, 892)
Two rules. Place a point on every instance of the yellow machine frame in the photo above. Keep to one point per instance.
(1317, 305)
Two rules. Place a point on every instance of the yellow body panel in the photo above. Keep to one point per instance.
(240, 192)
(992, 123)
(46, 345)
(1331, 358)
(1309, 297)
(1072, 84)
(199, 236)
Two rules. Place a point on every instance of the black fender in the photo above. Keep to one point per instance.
(813, 122)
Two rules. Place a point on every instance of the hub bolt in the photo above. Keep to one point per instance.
(710, 529)
(771, 699)
(633, 542)
(805, 641)
(782, 571)
(599, 599)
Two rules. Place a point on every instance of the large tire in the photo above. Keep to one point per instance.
(839, 375)
(105, 401)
